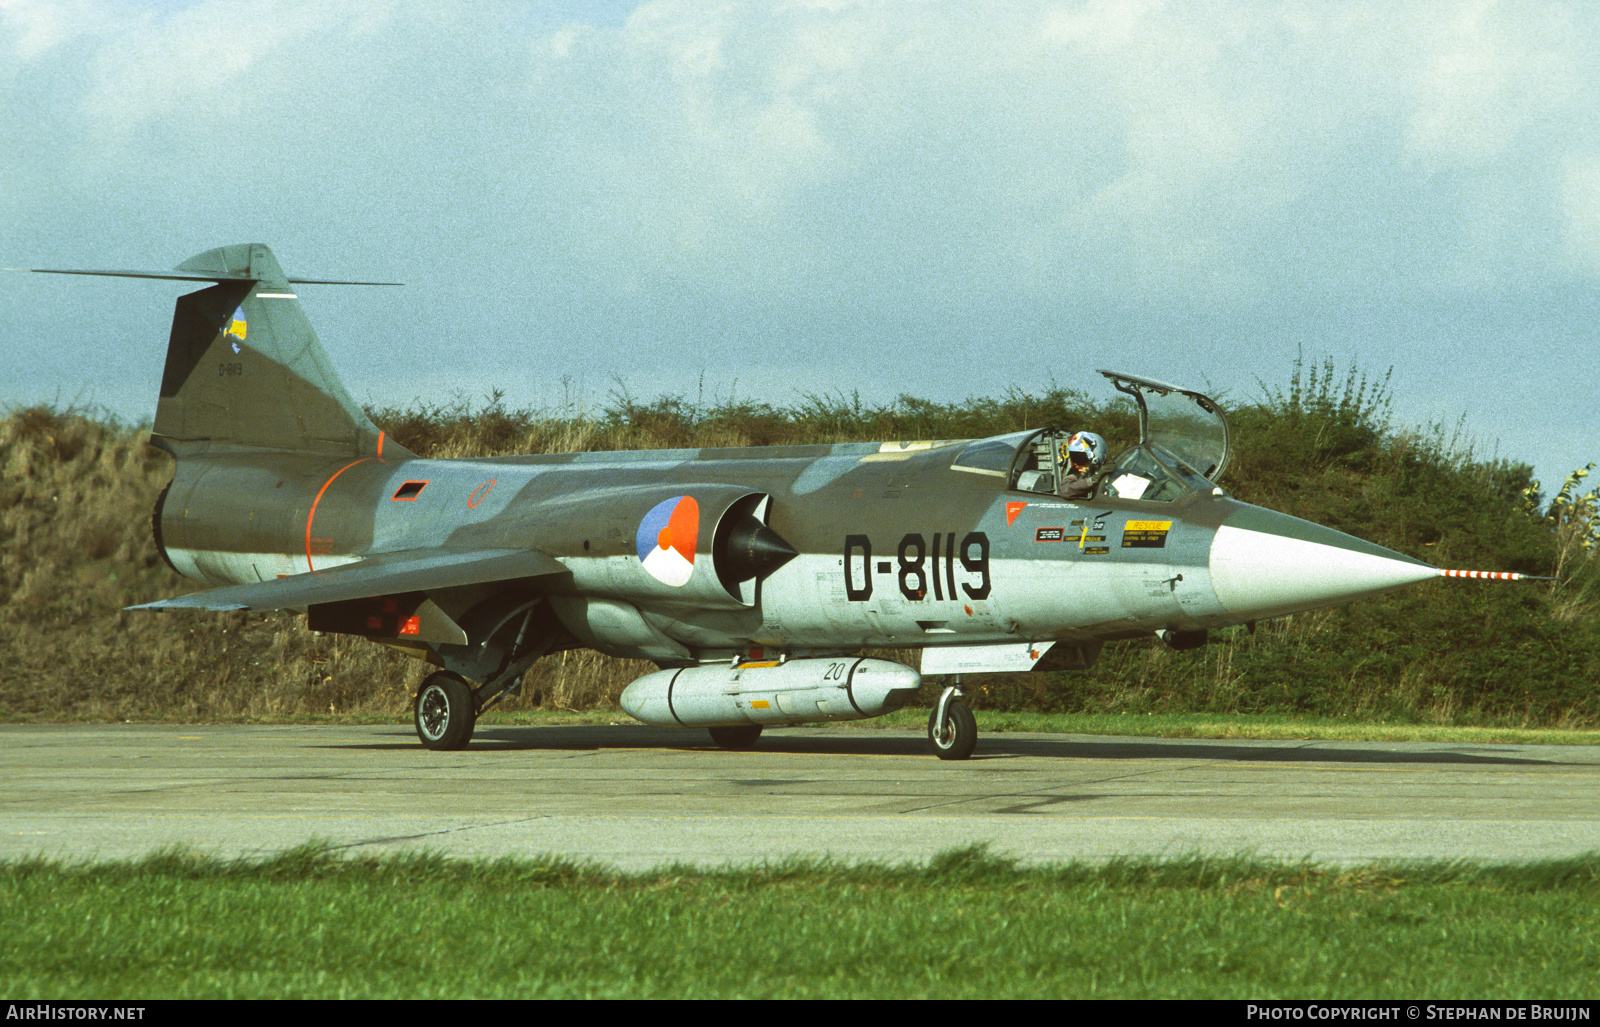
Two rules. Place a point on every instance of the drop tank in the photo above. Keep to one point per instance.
(771, 692)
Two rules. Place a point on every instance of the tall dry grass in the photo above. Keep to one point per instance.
(75, 547)
(75, 511)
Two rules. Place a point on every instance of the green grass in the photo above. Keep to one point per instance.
(310, 923)
(1259, 725)
(1159, 725)
(1163, 725)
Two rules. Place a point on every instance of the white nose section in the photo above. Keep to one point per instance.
(1265, 564)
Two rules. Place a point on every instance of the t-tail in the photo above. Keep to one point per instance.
(245, 369)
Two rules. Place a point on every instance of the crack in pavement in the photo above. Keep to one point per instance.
(439, 833)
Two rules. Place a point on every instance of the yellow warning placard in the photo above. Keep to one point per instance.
(1145, 534)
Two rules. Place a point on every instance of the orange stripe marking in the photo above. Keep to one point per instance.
(314, 502)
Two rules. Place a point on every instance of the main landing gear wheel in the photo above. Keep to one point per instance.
(955, 738)
(445, 712)
(739, 737)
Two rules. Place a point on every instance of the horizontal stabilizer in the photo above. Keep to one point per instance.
(411, 571)
(199, 276)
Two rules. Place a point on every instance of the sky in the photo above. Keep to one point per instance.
(768, 200)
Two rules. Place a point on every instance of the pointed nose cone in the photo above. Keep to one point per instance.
(1265, 564)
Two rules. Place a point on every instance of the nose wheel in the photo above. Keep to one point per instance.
(952, 729)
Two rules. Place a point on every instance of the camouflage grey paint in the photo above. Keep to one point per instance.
(286, 496)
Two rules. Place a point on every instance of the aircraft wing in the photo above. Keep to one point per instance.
(415, 570)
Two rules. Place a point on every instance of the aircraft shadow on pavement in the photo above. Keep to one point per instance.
(1287, 751)
(576, 738)
(591, 737)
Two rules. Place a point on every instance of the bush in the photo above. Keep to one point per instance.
(77, 493)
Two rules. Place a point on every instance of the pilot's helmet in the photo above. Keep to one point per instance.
(1085, 451)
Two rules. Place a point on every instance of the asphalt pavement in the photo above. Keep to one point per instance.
(638, 797)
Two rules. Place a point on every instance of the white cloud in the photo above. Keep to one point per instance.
(217, 62)
(38, 26)
(1488, 74)
(1580, 195)
(1106, 148)
(809, 183)
(1100, 147)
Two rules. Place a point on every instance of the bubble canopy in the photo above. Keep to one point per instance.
(1182, 449)
(1179, 423)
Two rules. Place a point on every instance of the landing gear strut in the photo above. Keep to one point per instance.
(445, 712)
(952, 729)
(509, 633)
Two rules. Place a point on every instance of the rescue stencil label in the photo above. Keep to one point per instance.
(1145, 534)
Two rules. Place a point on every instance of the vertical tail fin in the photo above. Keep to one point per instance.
(245, 367)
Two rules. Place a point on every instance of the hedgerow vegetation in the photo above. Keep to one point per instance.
(75, 548)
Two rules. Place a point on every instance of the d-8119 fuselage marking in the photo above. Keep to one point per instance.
(921, 566)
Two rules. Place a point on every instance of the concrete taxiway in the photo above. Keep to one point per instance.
(638, 797)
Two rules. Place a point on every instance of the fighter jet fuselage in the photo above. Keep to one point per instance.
(752, 576)
(892, 546)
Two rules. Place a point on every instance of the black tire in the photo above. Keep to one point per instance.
(958, 735)
(738, 737)
(444, 712)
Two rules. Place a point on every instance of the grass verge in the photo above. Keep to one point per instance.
(1162, 725)
(314, 923)
(1158, 725)
(1211, 725)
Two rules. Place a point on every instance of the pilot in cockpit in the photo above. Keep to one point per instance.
(1079, 459)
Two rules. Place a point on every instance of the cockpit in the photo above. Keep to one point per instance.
(1182, 449)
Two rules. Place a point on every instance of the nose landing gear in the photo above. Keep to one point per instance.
(952, 729)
